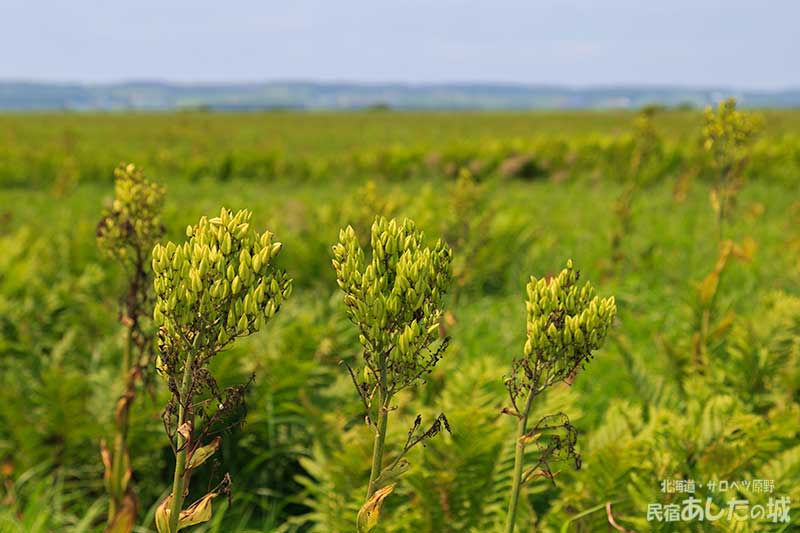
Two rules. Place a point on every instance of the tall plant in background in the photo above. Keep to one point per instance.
(646, 147)
(395, 300)
(369, 201)
(219, 285)
(728, 137)
(707, 324)
(565, 323)
(126, 233)
(468, 222)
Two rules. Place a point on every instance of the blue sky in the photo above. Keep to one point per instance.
(753, 45)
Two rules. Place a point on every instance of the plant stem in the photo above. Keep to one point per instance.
(180, 458)
(121, 432)
(380, 436)
(721, 212)
(377, 447)
(519, 456)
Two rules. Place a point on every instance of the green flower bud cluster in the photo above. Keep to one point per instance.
(220, 284)
(396, 298)
(565, 322)
(647, 143)
(728, 130)
(133, 221)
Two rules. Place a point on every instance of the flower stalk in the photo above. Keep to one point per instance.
(126, 232)
(647, 147)
(178, 480)
(377, 448)
(565, 323)
(519, 456)
(728, 137)
(220, 285)
(395, 301)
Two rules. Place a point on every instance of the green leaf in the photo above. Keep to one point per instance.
(198, 512)
(391, 475)
(162, 515)
(202, 453)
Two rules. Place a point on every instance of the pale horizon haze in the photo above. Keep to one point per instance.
(746, 45)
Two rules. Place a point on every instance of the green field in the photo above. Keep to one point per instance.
(44, 149)
(684, 388)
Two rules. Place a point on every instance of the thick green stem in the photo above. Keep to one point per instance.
(380, 436)
(377, 447)
(180, 458)
(120, 432)
(519, 457)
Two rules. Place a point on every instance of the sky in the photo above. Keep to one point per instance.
(700, 43)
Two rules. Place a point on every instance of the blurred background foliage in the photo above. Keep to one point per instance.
(514, 194)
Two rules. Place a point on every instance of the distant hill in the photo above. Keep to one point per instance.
(309, 95)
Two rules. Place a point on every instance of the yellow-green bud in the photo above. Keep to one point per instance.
(211, 273)
(384, 297)
(565, 322)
